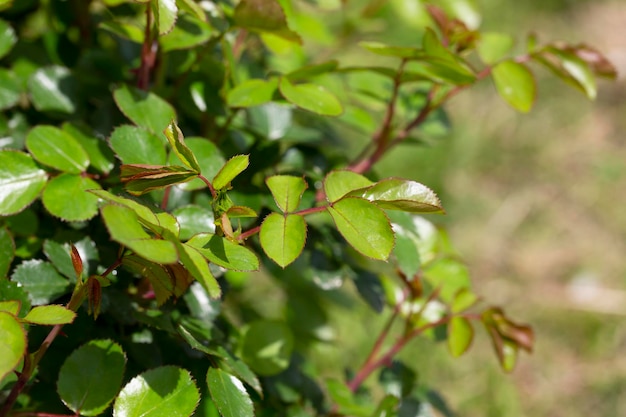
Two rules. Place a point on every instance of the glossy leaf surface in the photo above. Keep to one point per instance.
(145, 109)
(50, 315)
(311, 97)
(53, 89)
(177, 142)
(167, 391)
(339, 183)
(364, 226)
(91, 376)
(40, 280)
(225, 253)
(194, 219)
(287, 191)
(515, 84)
(65, 197)
(229, 394)
(404, 195)
(233, 167)
(53, 147)
(283, 237)
(13, 345)
(21, 181)
(136, 145)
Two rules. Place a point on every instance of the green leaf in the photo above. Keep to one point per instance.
(572, 69)
(339, 183)
(406, 251)
(145, 214)
(283, 237)
(21, 181)
(10, 90)
(124, 30)
(53, 147)
(54, 89)
(135, 145)
(493, 46)
(448, 274)
(197, 265)
(266, 16)
(364, 226)
(266, 346)
(165, 14)
(177, 142)
(233, 167)
(100, 155)
(91, 376)
(188, 32)
(235, 212)
(388, 406)
(145, 109)
(124, 228)
(162, 279)
(209, 159)
(7, 251)
(388, 50)
(310, 71)
(311, 97)
(60, 257)
(192, 8)
(237, 367)
(252, 93)
(229, 394)
(12, 307)
(66, 197)
(7, 39)
(40, 280)
(287, 191)
(13, 346)
(194, 219)
(401, 194)
(460, 335)
(515, 84)
(11, 291)
(225, 253)
(140, 179)
(167, 391)
(463, 300)
(344, 398)
(50, 315)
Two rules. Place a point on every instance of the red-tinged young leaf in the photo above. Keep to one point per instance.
(311, 97)
(339, 183)
(240, 211)
(515, 84)
(94, 295)
(11, 306)
(264, 16)
(21, 181)
(364, 226)
(401, 194)
(287, 191)
(233, 167)
(91, 376)
(54, 89)
(50, 315)
(140, 179)
(283, 237)
(570, 68)
(177, 142)
(13, 346)
(252, 93)
(229, 394)
(224, 253)
(181, 277)
(460, 335)
(598, 63)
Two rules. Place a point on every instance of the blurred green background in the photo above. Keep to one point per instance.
(535, 206)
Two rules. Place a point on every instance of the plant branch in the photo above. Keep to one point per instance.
(148, 53)
(208, 184)
(245, 235)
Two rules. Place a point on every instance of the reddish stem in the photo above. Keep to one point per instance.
(148, 53)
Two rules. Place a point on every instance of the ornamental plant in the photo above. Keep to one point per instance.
(159, 156)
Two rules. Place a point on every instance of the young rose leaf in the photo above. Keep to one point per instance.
(41, 280)
(339, 183)
(53, 147)
(267, 346)
(145, 214)
(145, 109)
(364, 226)
(515, 84)
(11, 306)
(71, 188)
(140, 179)
(311, 97)
(266, 16)
(124, 228)
(136, 145)
(283, 237)
(224, 253)
(165, 14)
(287, 191)
(197, 265)
(460, 335)
(7, 251)
(233, 167)
(240, 212)
(77, 262)
(229, 394)
(252, 93)
(159, 392)
(21, 181)
(50, 315)
(401, 194)
(570, 68)
(177, 142)
(91, 376)
(463, 300)
(494, 46)
(13, 346)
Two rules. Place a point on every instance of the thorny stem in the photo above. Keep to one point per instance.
(31, 361)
